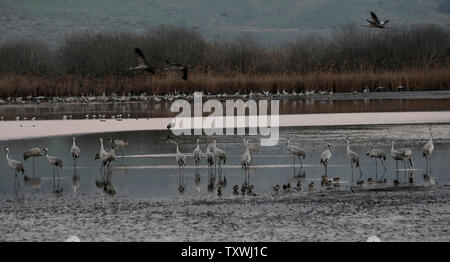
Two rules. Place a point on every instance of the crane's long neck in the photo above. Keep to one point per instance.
(102, 149)
(7, 155)
(178, 151)
(73, 143)
(431, 137)
(348, 145)
(392, 147)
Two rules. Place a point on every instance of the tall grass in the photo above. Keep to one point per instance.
(13, 85)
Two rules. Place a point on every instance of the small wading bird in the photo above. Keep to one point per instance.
(324, 157)
(33, 152)
(296, 152)
(118, 144)
(180, 67)
(353, 158)
(427, 150)
(376, 22)
(75, 151)
(143, 64)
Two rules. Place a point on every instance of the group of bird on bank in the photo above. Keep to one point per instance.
(217, 157)
(55, 162)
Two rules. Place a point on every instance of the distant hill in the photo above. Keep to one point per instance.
(266, 20)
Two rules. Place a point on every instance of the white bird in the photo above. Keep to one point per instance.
(428, 149)
(15, 165)
(75, 151)
(33, 152)
(353, 158)
(296, 152)
(197, 153)
(325, 156)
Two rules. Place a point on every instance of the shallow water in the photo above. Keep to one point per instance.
(148, 169)
(303, 105)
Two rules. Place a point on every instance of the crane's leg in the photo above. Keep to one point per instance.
(33, 166)
(430, 165)
(360, 173)
(326, 168)
(351, 165)
(382, 162)
(301, 162)
(294, 165)
(376, 170)
(397, 171)
(53, 178)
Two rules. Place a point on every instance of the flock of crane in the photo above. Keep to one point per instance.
(217, 157)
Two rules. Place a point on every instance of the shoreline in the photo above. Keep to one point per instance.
(297, 216)
(46, 128)
(21, 101)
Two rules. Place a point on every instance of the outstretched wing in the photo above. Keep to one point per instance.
(174, 64)
(374, 17)
(140, 56)
(371, 22)
(385, 22)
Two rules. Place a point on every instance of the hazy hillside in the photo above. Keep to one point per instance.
(267, 20)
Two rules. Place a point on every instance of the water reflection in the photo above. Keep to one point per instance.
(150, 170)
(162, 108)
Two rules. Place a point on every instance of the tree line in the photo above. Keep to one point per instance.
(349, 48)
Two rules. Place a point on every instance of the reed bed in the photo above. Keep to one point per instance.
(16, 85)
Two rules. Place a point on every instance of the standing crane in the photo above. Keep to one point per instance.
(353, 158)
(75, 151)
(427, 150)
(34, 153)
(324, 157)
(296, 152)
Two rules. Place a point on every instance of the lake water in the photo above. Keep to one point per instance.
(148, 168)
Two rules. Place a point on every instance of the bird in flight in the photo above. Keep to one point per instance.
(376, 22)
(181, 67)
(143, 64)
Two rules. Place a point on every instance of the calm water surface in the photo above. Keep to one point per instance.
(148, 168)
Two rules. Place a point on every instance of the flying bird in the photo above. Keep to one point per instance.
(180, 67)
(376, 22)
(143, 64)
